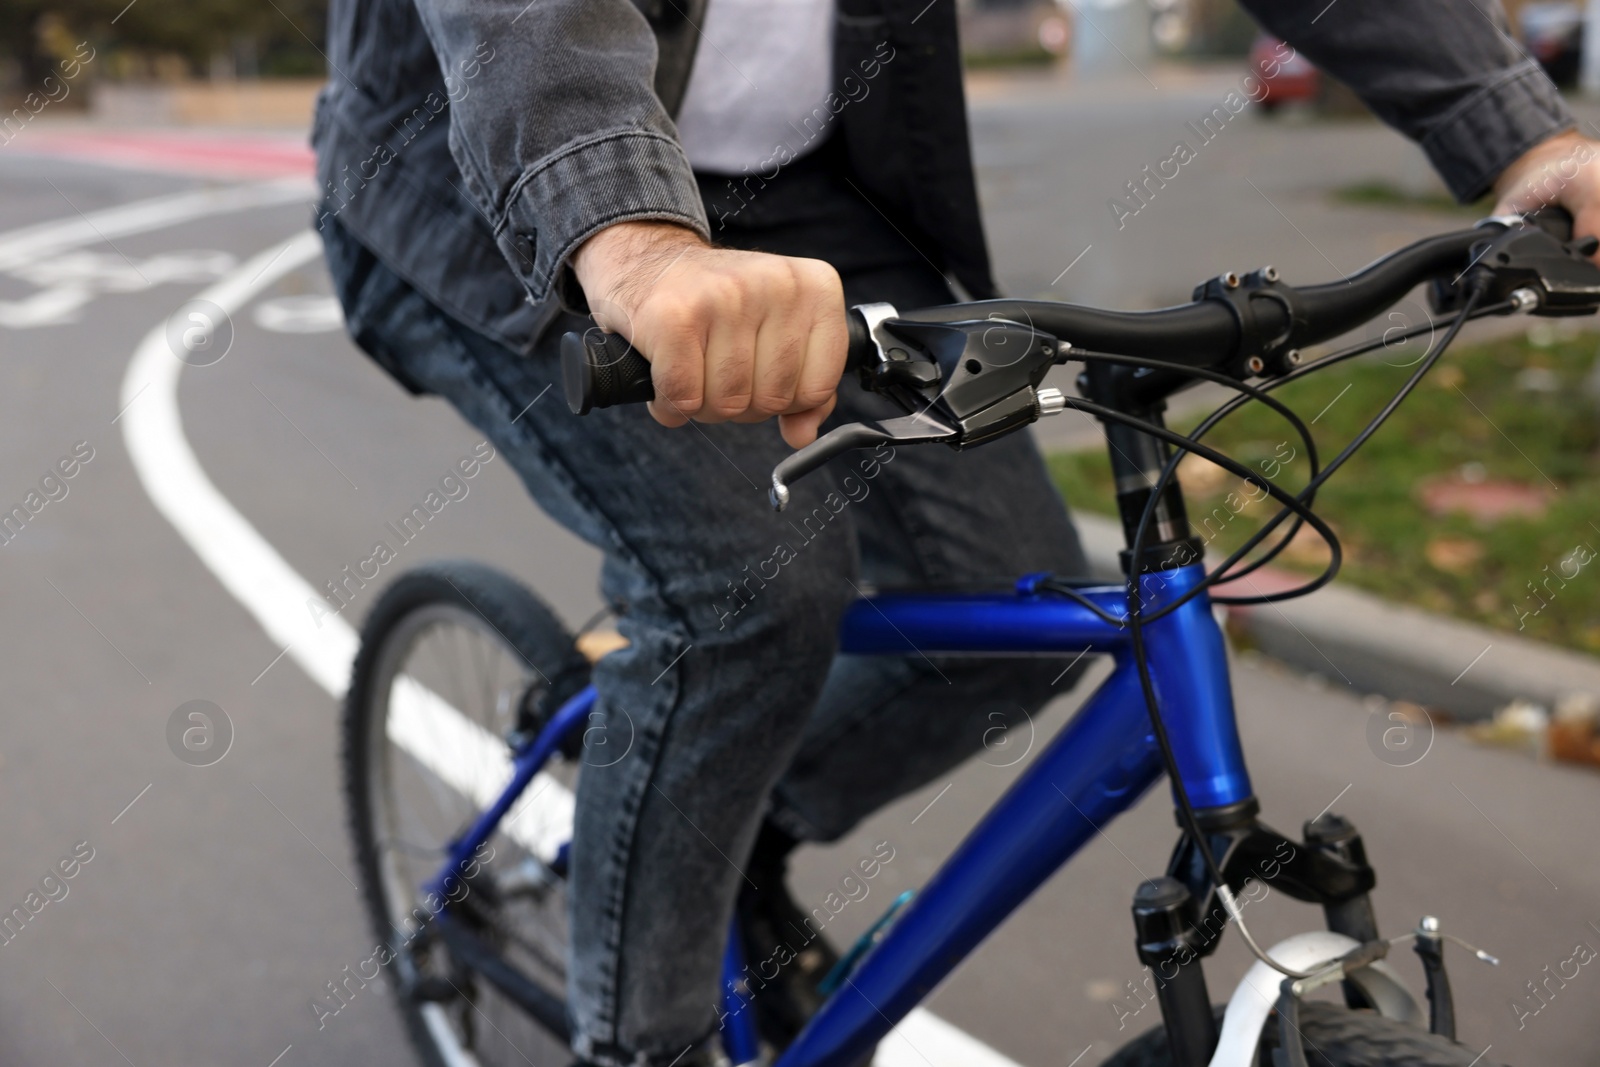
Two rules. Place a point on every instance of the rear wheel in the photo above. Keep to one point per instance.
(452, 659)
(1334, 1037)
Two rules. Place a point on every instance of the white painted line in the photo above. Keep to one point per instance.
(275, 595)
(263, 582)
(924, 1040)
(473, 762)
(19, 247)
(246, 565)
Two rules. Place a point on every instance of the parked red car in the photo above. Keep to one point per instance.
(1553, 33)
(1287, 75)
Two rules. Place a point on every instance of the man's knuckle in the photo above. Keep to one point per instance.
(820, 276)
(727, 291)
(687, 399)
(811, 396)
(771, 401)
(672, 320)
(677, 382)
(786, 281)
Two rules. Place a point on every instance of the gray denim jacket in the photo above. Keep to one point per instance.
(474, 144)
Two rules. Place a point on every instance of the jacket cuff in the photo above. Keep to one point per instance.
(1488, 131)
(564, 199)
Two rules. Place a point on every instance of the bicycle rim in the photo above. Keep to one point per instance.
(444, 694)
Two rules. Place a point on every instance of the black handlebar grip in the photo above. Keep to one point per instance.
(862, 348)
(602, 370)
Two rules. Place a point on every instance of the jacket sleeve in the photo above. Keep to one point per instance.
(556, 126)
(1443, 72)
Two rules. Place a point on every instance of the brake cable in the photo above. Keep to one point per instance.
(1224, 571)
(1136, 624)
(1247, 392)
(1309, 490)
(1221, 459)
(1187, 443)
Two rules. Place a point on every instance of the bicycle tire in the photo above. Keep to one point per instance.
(1335, 1036)
(515, 646)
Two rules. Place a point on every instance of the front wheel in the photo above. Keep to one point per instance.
(1335, 1036)
(453, 659)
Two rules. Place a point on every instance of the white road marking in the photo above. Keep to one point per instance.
(32, 243)
(67, 282)
(242, 560)
(306, 313)
(275, 595)
(473, 762)
(261, 579)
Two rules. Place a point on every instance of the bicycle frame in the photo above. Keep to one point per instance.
(1099, 764)
(1107, 756)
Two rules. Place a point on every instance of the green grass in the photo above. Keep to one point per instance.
(1378, 192)
(1023, 56)
(1535, 438)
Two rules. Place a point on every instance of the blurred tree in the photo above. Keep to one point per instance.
(27, 46)
(1219, 28)
(217, 37)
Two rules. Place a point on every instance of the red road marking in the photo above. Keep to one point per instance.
(194, 153)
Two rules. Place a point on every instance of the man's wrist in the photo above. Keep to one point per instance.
(1549, 164)
(610, 263)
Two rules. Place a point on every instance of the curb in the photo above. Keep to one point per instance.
(1374, 646)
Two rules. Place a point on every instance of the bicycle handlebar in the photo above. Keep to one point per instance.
(1231, 318)
(1210, 330)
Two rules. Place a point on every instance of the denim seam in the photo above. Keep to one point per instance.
(622, 844)
(615, 909)
(489, 386)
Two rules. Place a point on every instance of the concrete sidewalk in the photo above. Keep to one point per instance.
(1355, 639)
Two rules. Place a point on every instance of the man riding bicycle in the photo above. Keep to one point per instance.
(717, 183)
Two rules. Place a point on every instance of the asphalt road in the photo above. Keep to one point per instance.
(218, 900)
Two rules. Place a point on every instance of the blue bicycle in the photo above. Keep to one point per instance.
(465, 721)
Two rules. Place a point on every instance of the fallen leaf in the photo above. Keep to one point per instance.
(1200, 476)
(1455, 555)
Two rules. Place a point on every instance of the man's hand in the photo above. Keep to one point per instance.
(1563, 170)
(739, 336)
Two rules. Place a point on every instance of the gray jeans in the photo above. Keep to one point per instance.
(741, 708)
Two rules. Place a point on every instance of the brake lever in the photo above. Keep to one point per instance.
(916, 429)
(1536, 267)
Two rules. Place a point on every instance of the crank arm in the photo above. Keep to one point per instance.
(908, 430)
